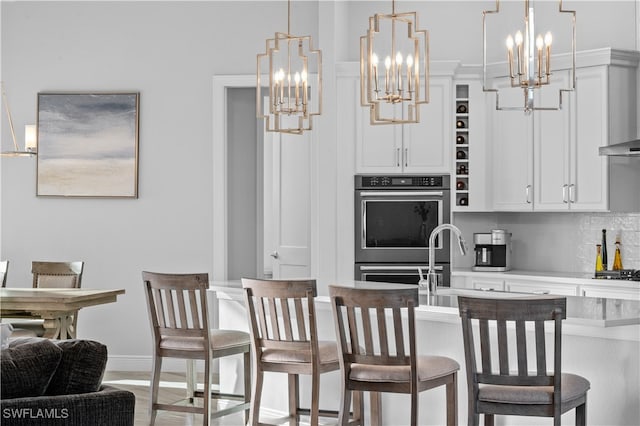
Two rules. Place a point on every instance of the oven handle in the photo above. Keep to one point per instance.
(397, 268)
(401, 193)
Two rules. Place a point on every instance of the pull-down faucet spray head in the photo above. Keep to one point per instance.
(431, 283)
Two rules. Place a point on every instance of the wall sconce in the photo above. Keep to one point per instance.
(31, 138)
(30, 144)
(529, 64)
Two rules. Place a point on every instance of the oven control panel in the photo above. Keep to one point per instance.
(430, 181)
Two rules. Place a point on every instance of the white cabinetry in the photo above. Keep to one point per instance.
(563, 284)
(512, 142)
(549, 160)
(537, 287)
(422, 147)
(486, 284)
(610, 292)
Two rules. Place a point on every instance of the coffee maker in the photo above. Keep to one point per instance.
(493, 251)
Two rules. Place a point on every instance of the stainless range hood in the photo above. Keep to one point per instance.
(623, 149)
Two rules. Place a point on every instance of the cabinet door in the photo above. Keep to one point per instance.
(512, 141)
(378, 147)
(487, 284)
(611, 293)
(541, 288)
(589, 172)
(427, 144)
(551, 146)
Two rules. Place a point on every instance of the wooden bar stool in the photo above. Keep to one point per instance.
(284, 339)
(179, 317)
(513, 389)
(377, 355)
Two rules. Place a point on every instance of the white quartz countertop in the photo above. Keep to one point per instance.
(581, 311)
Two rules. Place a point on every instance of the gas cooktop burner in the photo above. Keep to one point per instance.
(623, 274)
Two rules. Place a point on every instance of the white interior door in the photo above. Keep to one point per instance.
(287, 215)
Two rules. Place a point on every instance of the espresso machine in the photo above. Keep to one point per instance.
(493, 251)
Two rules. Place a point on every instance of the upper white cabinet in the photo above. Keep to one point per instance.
(512, 146)
(549, 160)
(423, 147)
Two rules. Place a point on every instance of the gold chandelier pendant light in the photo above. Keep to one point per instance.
(529, 59)
(30, 148)
(394, 68)
(293, 70)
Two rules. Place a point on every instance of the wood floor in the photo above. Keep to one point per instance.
(172, 388)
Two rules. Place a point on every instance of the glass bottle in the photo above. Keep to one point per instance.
(599, 266)
(617, 258)
(604, 249)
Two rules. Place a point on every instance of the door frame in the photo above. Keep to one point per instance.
(221, 84)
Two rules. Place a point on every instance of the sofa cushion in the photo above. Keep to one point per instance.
(27, 367)
(81, 368)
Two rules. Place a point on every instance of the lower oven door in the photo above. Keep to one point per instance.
(400, 273)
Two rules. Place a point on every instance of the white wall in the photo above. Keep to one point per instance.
(169, 51)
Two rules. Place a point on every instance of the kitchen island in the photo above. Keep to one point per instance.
(601, 341)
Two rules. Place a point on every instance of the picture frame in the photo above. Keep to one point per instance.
(87, 144)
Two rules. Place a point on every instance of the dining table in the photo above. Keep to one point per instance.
(56, 306)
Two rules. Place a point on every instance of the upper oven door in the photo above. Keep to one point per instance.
(394, 225)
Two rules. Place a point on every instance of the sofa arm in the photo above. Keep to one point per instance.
(107, 407)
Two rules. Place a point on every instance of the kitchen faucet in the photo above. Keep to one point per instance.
(431, 283)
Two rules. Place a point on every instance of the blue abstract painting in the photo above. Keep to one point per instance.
(88, 144)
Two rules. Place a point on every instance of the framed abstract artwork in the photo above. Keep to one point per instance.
(88, 144)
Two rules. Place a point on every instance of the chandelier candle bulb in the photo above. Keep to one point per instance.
(399, 72)
(296, 78)
(547, 41)
(510, 55)
(387, 65)
(409, 65)
(374, 65)
(539, 46)
(519, 48)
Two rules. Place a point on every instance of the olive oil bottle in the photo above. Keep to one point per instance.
(617, 257)
(599, 266)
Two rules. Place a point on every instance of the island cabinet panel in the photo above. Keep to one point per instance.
(423, 147)
(608, 355)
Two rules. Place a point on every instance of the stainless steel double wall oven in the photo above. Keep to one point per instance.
(394, 216)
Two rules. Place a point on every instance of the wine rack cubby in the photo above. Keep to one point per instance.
(462, 123)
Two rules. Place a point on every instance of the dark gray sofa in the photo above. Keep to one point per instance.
(58, 382)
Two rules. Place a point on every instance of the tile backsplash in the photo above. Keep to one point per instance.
(557, 242)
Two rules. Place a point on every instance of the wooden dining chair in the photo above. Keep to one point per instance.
(377, 340)
(179, 317)
(4, 268)
(284, 339)
(52, 275)
(514, 383)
